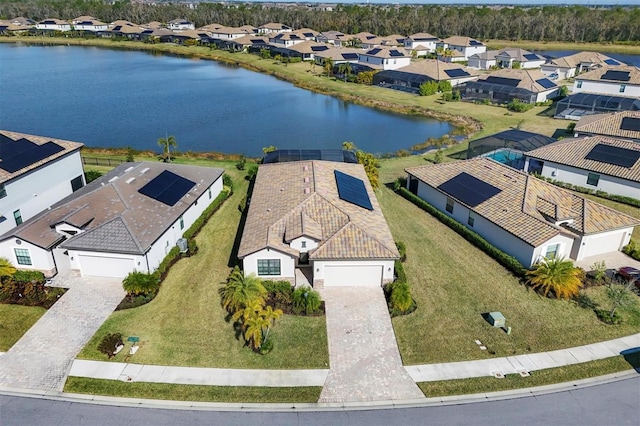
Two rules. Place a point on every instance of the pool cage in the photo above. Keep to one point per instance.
(575, 106)
(510, 144)
(498, 93)
(399, 80)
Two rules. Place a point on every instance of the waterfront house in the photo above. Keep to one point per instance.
(410, 77)
(384, 58)
(622, 124)
(506, 58)
(571, 65)
(466, 46)
(504, 85)
(273, 27)
(180, 25)
(88, 23)
(53, 24)
(620, 80)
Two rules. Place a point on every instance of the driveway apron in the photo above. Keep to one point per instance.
(41, 359)
(363, 353)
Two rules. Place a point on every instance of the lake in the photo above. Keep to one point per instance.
(109, 98)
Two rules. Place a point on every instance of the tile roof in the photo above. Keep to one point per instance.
(460, 41)
(516, 54)
(422, 37)
(608, 124)
(337, 53)
(598, 73)
(68, 146)
(387, 52)
(113, 215)
(572, 61)
(301, 198)
(435, 69)
(527, 207)
(572, 152)
(528, 78)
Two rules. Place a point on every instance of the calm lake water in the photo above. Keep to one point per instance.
(107, 98)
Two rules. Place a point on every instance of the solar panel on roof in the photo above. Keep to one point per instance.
(350, 55)
(319, 48)
(611, 62)
(395, 53)
(352, 190)
(503, 81)
(23, 153)
(616, 75)
(630, 123)
(167, 188)
(458, 72)
(469, 189)
(546, 83)
(530, 56)
(475, 43)
(373, 51)
(610, 154)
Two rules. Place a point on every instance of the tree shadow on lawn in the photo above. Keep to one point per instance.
(233, 256)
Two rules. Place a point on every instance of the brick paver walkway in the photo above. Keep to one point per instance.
(365, 363)
(41, 359)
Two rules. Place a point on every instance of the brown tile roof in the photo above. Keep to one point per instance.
(435, 69)
(597, 74)
(572, 61)
(248, 40)
(307, 46)
(386, 52)
(336, 53)
(301, 198)
(422, 36)
(112, 211)
(527, 207)
(527, 77)
(68, 146)
(608, 124)
(459, 41)
(572, 152)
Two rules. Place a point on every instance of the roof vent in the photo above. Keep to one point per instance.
(131, 180)
(307, 190)
(305, 168)
(113, 178)
(128, 169)
(281, 189)
(144, 170)
(306, 179)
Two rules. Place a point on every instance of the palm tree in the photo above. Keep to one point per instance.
(166, 143)
(140, 283)
(6, 268)
(345, 69)
(557, 275)
(241, 291)
(271, 315)
(328, 66)
(254, 326)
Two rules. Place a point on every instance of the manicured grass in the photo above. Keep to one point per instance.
(454, 283)
(15, 320)
(537, 378)
(185, 324)
(191, 392)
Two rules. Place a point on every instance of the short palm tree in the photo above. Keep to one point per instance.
(6, 268)
(241, 291)
(136, 283)
(557, 275)
(254, 326)
(166, 144)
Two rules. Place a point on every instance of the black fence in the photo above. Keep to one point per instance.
(100, 161)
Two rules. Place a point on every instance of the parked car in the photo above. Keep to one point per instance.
(629, 273)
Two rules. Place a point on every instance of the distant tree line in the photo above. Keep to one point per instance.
(545, 23)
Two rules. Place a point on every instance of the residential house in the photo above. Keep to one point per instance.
(508, 146)
(228, 33)
(317, 221)
(16, 25)
(525, 217)
(502, 86)
(410, 77)
(306, 50)
(623, 125)
(465, 45)
(273, 27)
(581, 104)
(52, 24)
(622, 80)
(307, 33)
(572, 65)
(421, 43)
(392, 40)
(125, 29)
(338, 55)
(180, 25)
(35, 173)
(88, 23)
(599, 163)
(385, 58)
(451, 55)
(506, 58)
(285, 39)
(365, 40)
(336, 38)
(248, 43)
(127, 220)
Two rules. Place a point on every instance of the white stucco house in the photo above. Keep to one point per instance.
(621, 124)
(319, 220)
(596, 162)
(180, 24)
(35, 173)
(125, 221)
(623, 80)
(385, 58)
(273, 27)
(506, 58)
(53, 24)
(88, 23)
(421, 43)
(413, 75)
(519, 214)
(228, 33)
(504, 85)
(571, 65)
(467, 46)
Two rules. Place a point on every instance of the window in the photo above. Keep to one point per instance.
(181, 223)
(268, 266)
(593, 179)
(22, 256)
(623, 87)
(3, 191)
(18, 217)
(450, 204)
(552, 251)
(76, 183)
(209, 193)
(472, 218)
(579, 84)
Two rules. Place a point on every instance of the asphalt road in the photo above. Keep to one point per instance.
(615, 403)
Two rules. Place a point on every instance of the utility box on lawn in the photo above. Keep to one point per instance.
(496, 319)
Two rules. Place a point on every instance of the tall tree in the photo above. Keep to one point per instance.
(166, 144)
(557, 275)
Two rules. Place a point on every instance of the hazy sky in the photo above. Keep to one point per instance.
(478, 2)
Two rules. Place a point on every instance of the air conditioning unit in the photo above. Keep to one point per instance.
(183, 245)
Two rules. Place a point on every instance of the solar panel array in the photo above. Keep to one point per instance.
(531, 56)
(546, 83)
(373, 51)
(475, 43)
(167, 187)
(22, 153)
(630, 123)
(469, 189)
(395, 53)
(319, 48)
(350, 55)
(352, 190)
(458, 72)
(503, 81)
(614, 155)
(616, 75)
(611, 62)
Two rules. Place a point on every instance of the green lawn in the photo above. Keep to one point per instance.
(15, 320)
(191, 392)
(185, 325)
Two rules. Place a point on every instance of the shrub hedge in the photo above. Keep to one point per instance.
(602, 194)
(509, 262)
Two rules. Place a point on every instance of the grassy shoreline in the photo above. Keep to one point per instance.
(625, 49)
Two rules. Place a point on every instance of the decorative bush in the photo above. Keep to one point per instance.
(140, 283)
(518, 106)
(400, 298)
(306, 300)
(28, 276)
(605, 316)
(402, 248)
(109, 344)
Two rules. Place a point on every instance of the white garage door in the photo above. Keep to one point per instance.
(99, 266)
(361, 276)
(603, 244)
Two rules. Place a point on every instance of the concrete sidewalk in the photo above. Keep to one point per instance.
(523, 363)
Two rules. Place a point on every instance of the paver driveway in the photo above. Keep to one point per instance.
(363, 353)
(41, 358)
